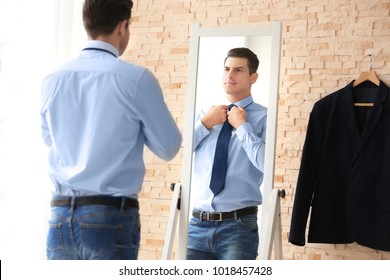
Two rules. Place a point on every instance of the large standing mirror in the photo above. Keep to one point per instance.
(208, 50)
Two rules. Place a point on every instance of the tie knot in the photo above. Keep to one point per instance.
(231, 106)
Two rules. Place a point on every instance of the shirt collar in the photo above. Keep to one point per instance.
(102, 45)
(244, 102)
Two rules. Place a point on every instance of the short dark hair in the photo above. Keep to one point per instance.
(253, 61)
(100, 17)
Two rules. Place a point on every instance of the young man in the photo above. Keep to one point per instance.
(224, 222)
(98, 112)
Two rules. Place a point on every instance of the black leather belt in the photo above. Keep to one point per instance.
(93, 200)
(215, 216)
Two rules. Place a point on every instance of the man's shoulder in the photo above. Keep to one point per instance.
(115, 67)
(130, 65)
(258, 107)
(129, 69)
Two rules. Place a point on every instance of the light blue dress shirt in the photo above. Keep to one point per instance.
(97, 114)
(245, 162)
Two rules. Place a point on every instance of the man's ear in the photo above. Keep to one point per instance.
(253, 78)
(122, 27)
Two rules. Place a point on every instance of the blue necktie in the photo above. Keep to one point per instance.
(218, 172)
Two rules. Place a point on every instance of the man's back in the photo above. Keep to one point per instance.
(98, 112)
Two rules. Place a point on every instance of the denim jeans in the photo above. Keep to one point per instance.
(93, 232)
(233, 239)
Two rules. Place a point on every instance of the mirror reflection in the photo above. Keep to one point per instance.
(213, 51)
(224, 215)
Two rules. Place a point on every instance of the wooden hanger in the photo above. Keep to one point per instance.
(366, 76)
(363, 104)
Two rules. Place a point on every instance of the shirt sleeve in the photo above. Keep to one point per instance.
(200, 132)
(162, 136)
(306, 177)
(253, 144)
(44, 125)
(45, 131)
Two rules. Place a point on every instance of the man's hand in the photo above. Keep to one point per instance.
(215, 115)
(236, 116)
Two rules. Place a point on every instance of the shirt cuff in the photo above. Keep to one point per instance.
(243, 130)
(201, 130)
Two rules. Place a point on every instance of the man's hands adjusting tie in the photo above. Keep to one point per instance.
(234, 117)
(219, 114)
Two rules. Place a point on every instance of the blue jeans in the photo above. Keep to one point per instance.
(233, 239)
(93, 232)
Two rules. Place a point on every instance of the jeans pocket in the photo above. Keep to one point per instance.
(107, 233)
(54, 244)
(101, 236)
(249, 221)
(105, 242)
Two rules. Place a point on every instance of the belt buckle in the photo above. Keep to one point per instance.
(208, 216)
(220, 217)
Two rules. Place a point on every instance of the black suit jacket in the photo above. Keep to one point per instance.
(344, 176)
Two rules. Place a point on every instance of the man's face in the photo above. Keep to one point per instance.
(236, 79)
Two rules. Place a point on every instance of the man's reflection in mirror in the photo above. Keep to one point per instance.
(226, 183)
